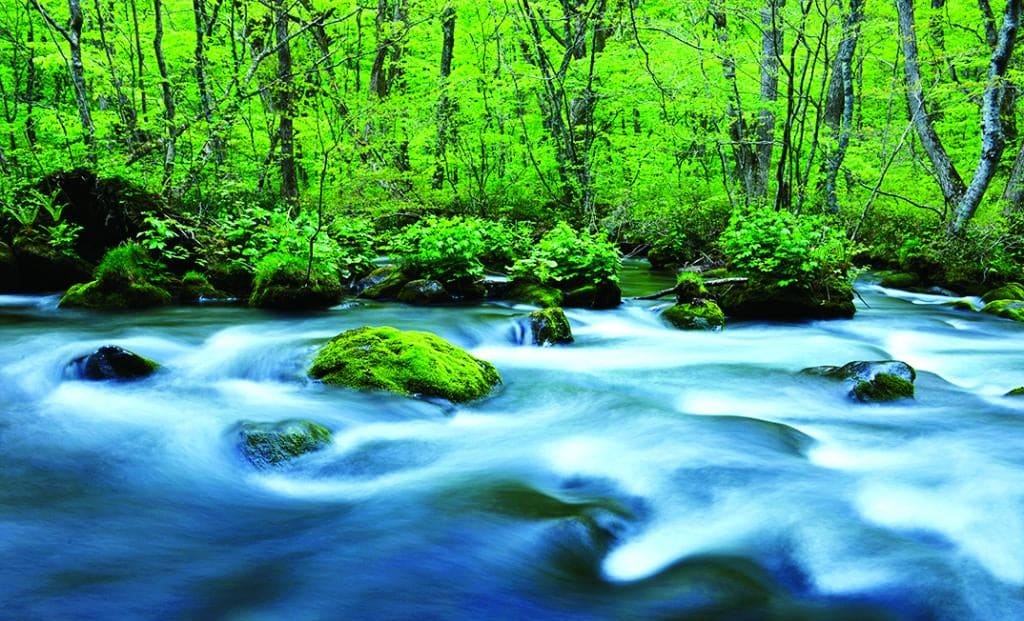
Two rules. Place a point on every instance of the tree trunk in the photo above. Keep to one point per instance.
(842, 85)
(949, 179)
(73, 35)
(171, 134)
(124, 109)
(743, 152)
(444, 105)
(284, 105)
(771, 48)
(992, 139)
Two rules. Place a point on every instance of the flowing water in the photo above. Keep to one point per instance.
(640, 473)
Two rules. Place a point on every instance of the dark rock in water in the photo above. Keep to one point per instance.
(1009, 291)
(550, 326)
(272, 444)
(495, 289)
(760, 300)
(603, 295)
(882, 380)
(404, 362)
(423, 293)
(113, 363)
(1016, 392)
(699, 315)
(383, 283)
(1007, 309)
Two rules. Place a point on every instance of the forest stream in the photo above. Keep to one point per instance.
(639, 473)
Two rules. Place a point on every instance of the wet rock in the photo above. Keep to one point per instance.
(113, 363)
(1009, 291)
(383, 283)
(898, 280)
(404, 362)
(286, 282)
(39, 267)
(1007, 309)
(125, 279)
(761, 300)
(272, 444)
(423, 293)
(603, 295)
(531, 293)
(196, 288)
(699, 315)
(1016, 392)
(550, 326)
(869, 382)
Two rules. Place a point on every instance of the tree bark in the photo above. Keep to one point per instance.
(170, 132)
(842, 85)
(445, 104)
(993, 142)
(284, 105)
(771, 48)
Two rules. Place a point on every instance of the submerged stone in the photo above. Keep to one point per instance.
(699, 315)
(383, 283)
(113, 363)
(404, 362)
(872, 381)
(423, 292)
(550, 326)
(272, 444)
(1016, 392)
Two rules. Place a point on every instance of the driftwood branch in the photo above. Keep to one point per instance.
(712, 282)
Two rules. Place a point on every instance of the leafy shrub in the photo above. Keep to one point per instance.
(979, 259)
(567, 259)
(287, 281)
(684, 235)
(354, 237)
(455, 249)
(805, 251)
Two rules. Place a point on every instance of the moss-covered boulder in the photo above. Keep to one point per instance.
(195, 287)
(1016, 392)
(112, 363)
(532, 293)
(872, 381)
(383, 283)
(423, 292)
(126, 279)
(1007, 309)
(763, 299)
(273, 444)
(689, 287)
(603, 295)
(698, 315)
(898, 280)
(404, 362)
(1009, 291)
(286, 282)
(550, 326)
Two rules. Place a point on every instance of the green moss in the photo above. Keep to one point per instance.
(1009, 291)
(689, 286)
(125, 279)
(963, 304)
(550, 326)
(702, 315)
(285, 282)
(1007, 309)
(538, 295)
(898, 280)
(271, 444)
(404, 362)
(195, 286)
(763, 299)
(1016, 392)
(603, 295)
(884, 387)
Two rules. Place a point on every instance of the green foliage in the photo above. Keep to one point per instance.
(286, 281)
(455, 249)
(130, 264)
(62, 237)
(161, 236)
(786, 249)
(567, 259)
(126, 278)
(355, 240)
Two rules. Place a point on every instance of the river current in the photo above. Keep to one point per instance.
(639, 473)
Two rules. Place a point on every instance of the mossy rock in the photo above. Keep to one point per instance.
(963, 304)
(273, 444)
(112, 363)
(550, 326)
(383, 283)
(285, 282)
(700, 315)
(898, 280)
(603, 295)
(403, 362)
(758, 299)
(195, 288)
(231, 277)
(423, 293)
(1009, 291)
(883, 387)
(38, 267)
(126, 279)
(872, 381)
(1016, 392)
(532, 293)
(1007, 309)
(689, 287)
